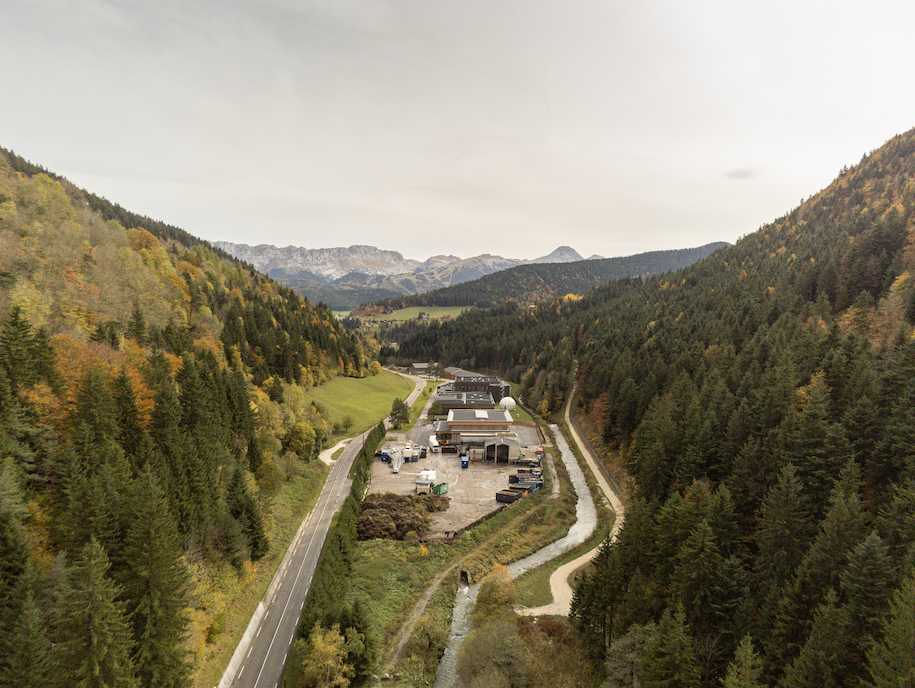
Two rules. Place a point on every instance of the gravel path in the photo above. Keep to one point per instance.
(559, 581)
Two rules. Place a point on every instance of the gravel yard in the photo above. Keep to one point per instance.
(472, 490)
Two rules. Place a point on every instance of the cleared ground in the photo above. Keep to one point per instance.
(472, 490)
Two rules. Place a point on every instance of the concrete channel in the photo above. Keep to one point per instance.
(586, 521)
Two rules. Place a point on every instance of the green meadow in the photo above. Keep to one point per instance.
(366, 400)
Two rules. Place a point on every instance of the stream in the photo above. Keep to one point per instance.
(586, 520)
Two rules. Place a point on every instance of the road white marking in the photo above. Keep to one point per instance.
(289, 599)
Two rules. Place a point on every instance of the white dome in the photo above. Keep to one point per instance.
(507, 404)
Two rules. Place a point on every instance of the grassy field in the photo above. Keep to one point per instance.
(366, 400)
(434, 312)
(521, 416)
(236, 594)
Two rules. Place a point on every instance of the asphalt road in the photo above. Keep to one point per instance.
(266, 659)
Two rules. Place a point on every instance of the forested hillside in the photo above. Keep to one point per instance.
(763, 402)
(545, 281)
(152, 397)
(336, 298)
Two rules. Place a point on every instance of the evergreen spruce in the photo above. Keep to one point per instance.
(668, 660)
(746, 669)
(94, 638)
(891, 660)
(825, 658)
(129, 432)
(17, 352)
(818, 573)
(30, 662)
(136, 326)
(155, 589)
(243, 507)
(13, 564)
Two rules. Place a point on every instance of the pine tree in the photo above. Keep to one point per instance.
(127, 419)
(30, 662)
(698, 572)
(839, 533)
(171, 439)
(866, 584)
(94, 635)
(46, 361)
(784, 530)
(93, 422)
(824, 659)
(668, 660)
(243, 507)
(782, 539)
(136, 326)
(17, 351)
(818, 446)
(746, 669)
(13, 563)
(155, 588)
(400, 413)
(891, 660)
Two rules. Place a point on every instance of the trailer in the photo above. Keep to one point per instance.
(508, 496)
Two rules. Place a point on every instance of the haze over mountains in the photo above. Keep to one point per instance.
(344, 278)
(325, 265)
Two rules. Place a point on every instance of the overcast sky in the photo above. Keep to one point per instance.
(458, 127)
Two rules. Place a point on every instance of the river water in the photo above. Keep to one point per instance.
(586, 520)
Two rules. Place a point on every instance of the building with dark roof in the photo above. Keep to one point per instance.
(483, 383)
(465, 400)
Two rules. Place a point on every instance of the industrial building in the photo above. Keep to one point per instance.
(484, 434)
(468, 381)
(464, 400)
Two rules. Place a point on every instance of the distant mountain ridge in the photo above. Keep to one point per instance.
(542, 281)
(344, 277)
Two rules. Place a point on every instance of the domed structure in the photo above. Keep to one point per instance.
(507, 404)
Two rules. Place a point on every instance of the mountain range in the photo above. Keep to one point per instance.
(327, 265)
(345, 277)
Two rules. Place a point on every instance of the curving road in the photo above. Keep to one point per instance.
(260, 658)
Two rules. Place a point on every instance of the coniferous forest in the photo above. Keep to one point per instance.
(763, 403)
(152, 396)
